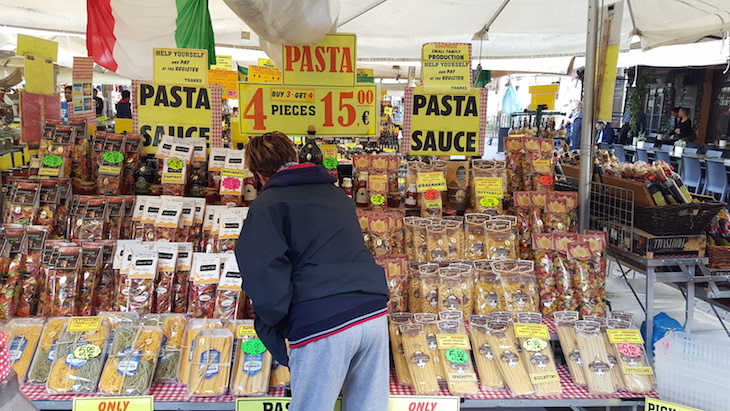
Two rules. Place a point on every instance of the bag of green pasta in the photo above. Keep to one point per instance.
(132, 360)
(78, 359)
(173, 328)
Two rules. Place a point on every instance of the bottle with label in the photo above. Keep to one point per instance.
(362, 194)
(310, 152)
(411, 200)
(347, 186)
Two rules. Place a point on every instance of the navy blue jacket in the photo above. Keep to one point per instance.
(301, 242)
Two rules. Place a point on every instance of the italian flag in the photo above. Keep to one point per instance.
(121, 34)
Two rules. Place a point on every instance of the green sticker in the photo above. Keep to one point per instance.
(174, 164)
(488, 202)
(113, 157)
(330, 163)
(534, 344)
(253, 347)
(52, 160)
(377, 199)
(457, 356)
(87, 351)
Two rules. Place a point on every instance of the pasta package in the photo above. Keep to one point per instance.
(587, 282)
(596, 365)
(456, 357)
(164, 297)
(637, 373)
(23, 204)
(64, 281)
(538, 202)
(78, 361)
(504, 345)
(25, 333)
(466, 274)
(563, 269)
(422, 365)
(451, 293)
(229, 298)
(437, 243)
(233, 174)
(402, 371)
(252, 368)
(539, 359)
(110, 169)
(556, 216)
(515, 154)
(518, 288)
(152, 206)
(429, 294)
(210, 366)
(216, 161)
(140, 270)
(192, 328)
(571, 203)
(280, 375)
(32, 279)
(431, 330)
(488, 292)
(91, 255)
(205, 277)
(545, 273)
(490, 375)
(420, 236)
(132, 360)
(396, 274)
(229, 228)
(474, 240)
(565, 328)
(181, 282)
(455, 237)
(46, 351)
(173, 328)
(616, 376)
(500, 240)
(168, 220)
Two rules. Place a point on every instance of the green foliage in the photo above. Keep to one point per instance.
(634, 101)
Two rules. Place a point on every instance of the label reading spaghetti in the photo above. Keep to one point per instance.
(447, 341)
(463, 377)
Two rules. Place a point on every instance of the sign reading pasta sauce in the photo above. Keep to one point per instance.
(270, 404)
(137, 403)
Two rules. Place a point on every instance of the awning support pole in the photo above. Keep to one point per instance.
(586, 145)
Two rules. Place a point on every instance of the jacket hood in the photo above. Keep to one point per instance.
(300, 174)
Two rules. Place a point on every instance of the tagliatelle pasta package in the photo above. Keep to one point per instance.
(132, 361)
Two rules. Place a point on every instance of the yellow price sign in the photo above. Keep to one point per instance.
(430, 181)
(329, 150)
(447, 341)
(244, 330)
(489, 187)
(531, 331)
(625, 336)
(77, 324)
(334, 111)
(140, 403)
(653, 404)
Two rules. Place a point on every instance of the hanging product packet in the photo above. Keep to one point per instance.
(139, 268)
(518, 284)
(488, 292)
(197, 233)
(203, 291)
(46, 214)
(429, 294)
(111, 166)
(199, 157)
(164, 298)
(229, 297)
(571, 204)
(181, 283)
(534, 339)
(81, 151)
(232, 176)
(210, 221)
(538, 201)
(598, 241)
(91, 256)
(515, 154)
(474, 240)
(115, 213)
(164, 149)
(545, 273)
(396, 274)
(106, 287)
(32, 279)
(132, 361)
(500, 241)
(136, 218)
(152, 208)
(122, 253)
(57, 160)
(522, 205)
(587, 282)
(12, 267)
(168, 219)
(133, 143)
(176, 167)
(49, 127)
(63, 282)
(97, 150)
(563, 271)
(252, 365)
(187, 219)
(556, 216)
(216, 162)
(173, 328)
(229, 227)
(23, 204)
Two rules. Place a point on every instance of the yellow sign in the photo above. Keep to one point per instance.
(652, 404)
(531, 331)
(446, 67)
(172, 178)
(228, 80)
(467, 376)
(37, 47)
(244, 330)
(266, 63)
(543, 95)
(545, 377)
(416, 402)
(365, 72)
(138, 403)
(328, 150)
(388, 110)
(181, 66)
(625, 336)
(638, 370)
(329, 63)
(430, 181)
(334, 111)
(39, 74)
(261, 74)
(444, 124)
(270, 404)
(76, 324)
(489, 187)
(222, 63)
(447, 341)
(176, 111)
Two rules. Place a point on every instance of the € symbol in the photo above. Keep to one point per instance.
(365, 117)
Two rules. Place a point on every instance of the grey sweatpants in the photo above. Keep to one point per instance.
(354, 360)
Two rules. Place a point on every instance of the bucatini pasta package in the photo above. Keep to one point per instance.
(490, 375)
(596, 365)
(132, 361)
(78, 360)
(402, 371)
(539, 359)
(24, 336)
(252, 368)
(504, 345)
(210, 365)
(173, 328)
(192, 329)
(420, 362)
(46, 351)
(456, 358)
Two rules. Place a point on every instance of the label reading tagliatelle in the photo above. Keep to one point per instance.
(545, 377)
(617, 336)
(137, 403)
(489, 187)
(78, 324)
(531, 331)
(447, 341)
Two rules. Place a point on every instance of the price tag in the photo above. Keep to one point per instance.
(489, 187)
(430, 181)
(420, 402)
(78, 324)
(334, 111)
(139, 403)
(329, 150)
(652, 404)
(446, 341)
(638, 370)
(545, 377)
(625, 336)
(269, 404)
(244, 330)
(531, 331)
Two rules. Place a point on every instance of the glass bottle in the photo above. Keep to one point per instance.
(310, 152)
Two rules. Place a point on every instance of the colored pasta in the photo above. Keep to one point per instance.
(132, 361)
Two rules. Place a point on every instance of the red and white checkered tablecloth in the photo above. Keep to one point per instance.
(178, 392)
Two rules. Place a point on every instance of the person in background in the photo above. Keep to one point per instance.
(674, 113)
(67, 103)
(683, 127)
(576, 120)
(313, 281)
(99, 103)
(604, 133)
(124, 106)
(624, 134)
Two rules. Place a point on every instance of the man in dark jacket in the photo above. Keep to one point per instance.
(313, 281)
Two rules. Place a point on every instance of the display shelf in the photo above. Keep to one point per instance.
(171, 396)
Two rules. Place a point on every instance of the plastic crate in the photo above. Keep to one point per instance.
(691, 370)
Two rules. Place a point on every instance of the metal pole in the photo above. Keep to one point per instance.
(586, 145)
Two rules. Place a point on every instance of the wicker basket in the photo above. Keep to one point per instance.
(676, 219)
(719, 256)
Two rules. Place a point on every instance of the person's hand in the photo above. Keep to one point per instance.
(677, 131)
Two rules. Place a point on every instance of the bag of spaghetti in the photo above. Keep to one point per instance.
(616, 376)
(504, 345)
(24, 336)
(596, 365)
(132, 360)
(252, 367)
(78, 360)
(420, 363)
(210, 363)
(490, 376)
(456, 359)
(173, 328)
(192, 328)
(45, 352)
(637, 373)
(402, 371)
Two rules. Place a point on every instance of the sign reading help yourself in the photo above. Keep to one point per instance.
(446, 67)
(181, 66)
